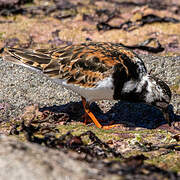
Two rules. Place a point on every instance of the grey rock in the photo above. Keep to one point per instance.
(26, 161)
(12, 3)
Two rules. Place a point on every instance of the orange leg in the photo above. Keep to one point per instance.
(89, 114)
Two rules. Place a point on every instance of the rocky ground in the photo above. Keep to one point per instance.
(47, 139)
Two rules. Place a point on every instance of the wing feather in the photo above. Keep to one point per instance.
(84, 65)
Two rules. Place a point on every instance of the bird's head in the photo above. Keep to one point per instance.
(149, 90)
(160, 95)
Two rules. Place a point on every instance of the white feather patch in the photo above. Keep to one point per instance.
(103, 90)
(129, 86)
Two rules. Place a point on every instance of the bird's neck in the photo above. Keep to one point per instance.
(136, 90)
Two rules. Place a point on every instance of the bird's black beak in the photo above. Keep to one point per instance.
(163, 106)
(166, 116)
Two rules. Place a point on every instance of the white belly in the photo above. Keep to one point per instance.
(103, 90)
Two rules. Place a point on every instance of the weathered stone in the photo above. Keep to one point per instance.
(11, 3)
(22, 161)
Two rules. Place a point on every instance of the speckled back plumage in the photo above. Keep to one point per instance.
(84, 64)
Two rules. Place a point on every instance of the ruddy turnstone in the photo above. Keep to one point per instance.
(97, 71)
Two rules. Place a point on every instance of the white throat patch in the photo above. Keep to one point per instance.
(129, 86)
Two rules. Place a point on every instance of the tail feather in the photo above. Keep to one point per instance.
(28, 58)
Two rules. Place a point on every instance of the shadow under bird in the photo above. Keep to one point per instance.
(97, 71)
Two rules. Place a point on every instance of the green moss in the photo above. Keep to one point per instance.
(168, 161)
(79, 128)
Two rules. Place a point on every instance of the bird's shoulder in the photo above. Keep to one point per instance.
(96, 57)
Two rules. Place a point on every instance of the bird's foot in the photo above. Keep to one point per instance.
(89, 117)
(110, 126)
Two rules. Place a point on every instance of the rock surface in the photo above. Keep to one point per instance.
(19, 160)
(28, 161)
(11, 3)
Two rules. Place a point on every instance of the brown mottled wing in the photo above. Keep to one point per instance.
(83, 64)
(28, 57)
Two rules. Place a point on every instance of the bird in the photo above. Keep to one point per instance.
(97, 71)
